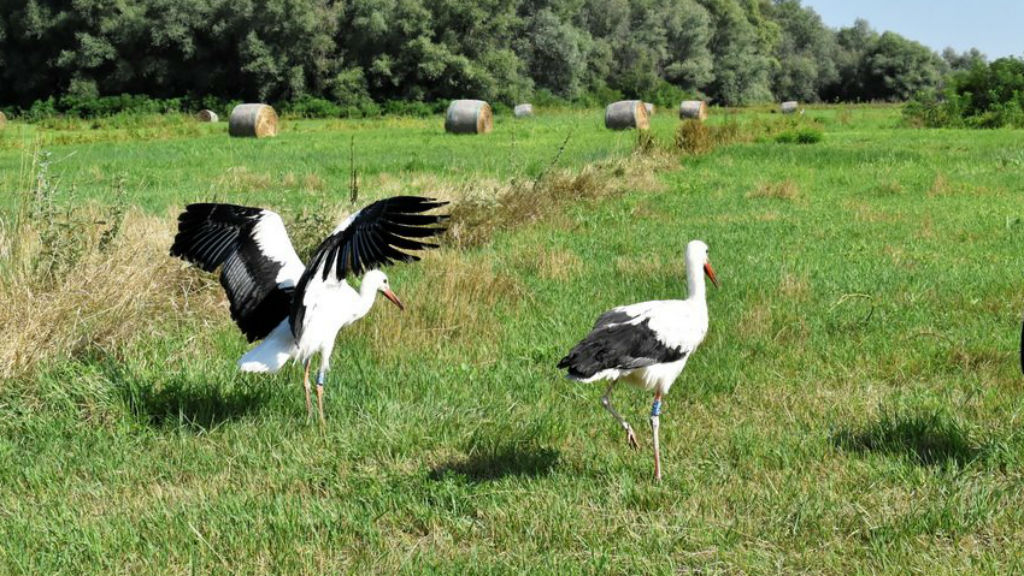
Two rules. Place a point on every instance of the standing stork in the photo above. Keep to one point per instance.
(646, 344)
(298, 310)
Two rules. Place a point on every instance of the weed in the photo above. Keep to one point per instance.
(783, 190)
(800, 136)
(694, 137)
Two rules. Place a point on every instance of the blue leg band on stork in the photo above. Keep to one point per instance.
(656, 408)
(320, 377)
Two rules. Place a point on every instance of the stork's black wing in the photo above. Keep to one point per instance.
(259, 267)
(372, 237)
(622, 341)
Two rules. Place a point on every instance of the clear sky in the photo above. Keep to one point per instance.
(996, 27)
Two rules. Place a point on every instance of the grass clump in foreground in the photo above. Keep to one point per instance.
(855, 408)
(800, 136)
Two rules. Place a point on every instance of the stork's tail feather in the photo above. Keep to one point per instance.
(272, 354)
(583, 369)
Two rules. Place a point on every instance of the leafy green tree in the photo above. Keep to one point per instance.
(852, 45)
(966, 60)
(741, 69)
(555, 52)
(896, 68)
(689, 63)
(805, 54)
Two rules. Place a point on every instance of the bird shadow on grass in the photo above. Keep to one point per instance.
(507, 459)
(192, 405)
(927, 439)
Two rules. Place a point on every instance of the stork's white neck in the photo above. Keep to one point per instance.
(367, 296)
(695, 286)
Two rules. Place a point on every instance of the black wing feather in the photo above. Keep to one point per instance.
(222, 235)
(375, 237)
(617, 345)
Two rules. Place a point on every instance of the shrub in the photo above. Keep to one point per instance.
(802, 135)
(694, 137)
(413, 108)
(667, 96)
(986, 96)
(310, 107)
(88, 107)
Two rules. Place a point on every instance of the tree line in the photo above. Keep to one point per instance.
(357, 52)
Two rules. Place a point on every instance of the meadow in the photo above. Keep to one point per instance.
(855, 409)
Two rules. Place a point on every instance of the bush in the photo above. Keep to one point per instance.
(414, 108)
(694, 137)
(986, 96)
(668, 96)
(310, 107)
(88, 107)
(803, 135)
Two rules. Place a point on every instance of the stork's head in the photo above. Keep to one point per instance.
(377, 280)
(697, 255)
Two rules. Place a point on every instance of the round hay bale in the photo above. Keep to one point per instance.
(523, 110)
(696, 109)
(626, 114)
(3, 120)
(252, 121)
(650, 108)
(468, 117)
(207, 116)
(789, 106)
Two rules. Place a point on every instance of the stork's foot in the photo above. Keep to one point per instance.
(631, 438)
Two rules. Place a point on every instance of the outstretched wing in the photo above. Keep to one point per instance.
(259, 267)
(372, 237)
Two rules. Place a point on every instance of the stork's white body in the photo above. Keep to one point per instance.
(680, 324)
(647, 344)
(331, 306)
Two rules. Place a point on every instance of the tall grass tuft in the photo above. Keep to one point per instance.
(694, 137)
(476, 218)
(79, 280)
(697, 138)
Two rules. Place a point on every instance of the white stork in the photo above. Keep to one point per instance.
(297, 310)
(646, 344)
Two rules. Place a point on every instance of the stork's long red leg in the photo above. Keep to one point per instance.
(320, 394)
(305, 384)
(606, 401)
(655, 414)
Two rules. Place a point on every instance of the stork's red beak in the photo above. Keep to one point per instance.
(391, 296)
(711, 273)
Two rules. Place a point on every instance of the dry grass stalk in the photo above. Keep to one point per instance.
(455, 309)
(109, 297)
(694, 137)
(784, 190)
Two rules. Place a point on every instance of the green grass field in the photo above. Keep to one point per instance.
(855, 409)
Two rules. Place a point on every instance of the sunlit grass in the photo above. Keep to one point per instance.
(855, 409)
